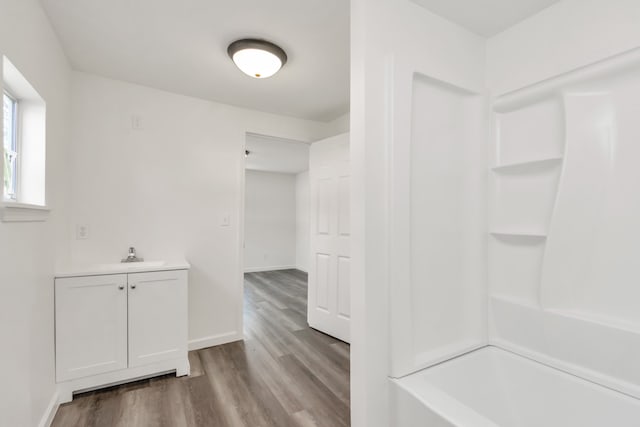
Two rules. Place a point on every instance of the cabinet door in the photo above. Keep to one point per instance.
(157, 316)
(91, 325)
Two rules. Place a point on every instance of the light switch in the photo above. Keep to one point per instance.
(225, 220)
(82, 232)
(136, 122)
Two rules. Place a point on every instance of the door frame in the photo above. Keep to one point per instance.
(241, 216)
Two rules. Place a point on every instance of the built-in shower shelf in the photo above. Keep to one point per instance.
(527, 166)
(539, 234)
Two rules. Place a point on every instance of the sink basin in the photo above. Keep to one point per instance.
(129, 265)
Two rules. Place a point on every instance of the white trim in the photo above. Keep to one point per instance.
(22, 212)
(66, 388)
(273, 268)
(50, 411)
(241, 235)
(214, 340)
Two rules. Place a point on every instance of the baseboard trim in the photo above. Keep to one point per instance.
(273, 268)
(50, 412)
(213, 340)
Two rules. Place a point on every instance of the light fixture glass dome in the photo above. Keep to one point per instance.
(257, 58)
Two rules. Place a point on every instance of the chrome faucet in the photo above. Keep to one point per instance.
(131, 257)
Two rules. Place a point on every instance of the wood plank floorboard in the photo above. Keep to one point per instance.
(283, 374)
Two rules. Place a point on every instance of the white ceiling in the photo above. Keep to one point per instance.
(486, 17)
(270, 154)
(180, 46)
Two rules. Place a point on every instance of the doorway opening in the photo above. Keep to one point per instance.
(296, 227)
(306, 369)
(276, 232)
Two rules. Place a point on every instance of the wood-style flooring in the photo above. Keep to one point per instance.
(283, 374)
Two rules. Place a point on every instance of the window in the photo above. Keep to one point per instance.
(23, 154)
(10, 134)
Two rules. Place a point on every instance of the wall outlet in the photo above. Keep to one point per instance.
(82, 232)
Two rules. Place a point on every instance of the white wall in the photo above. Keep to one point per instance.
(302, 221)
(28, 250)
(385, 34)
(385, 37)
(269, 221)
(438, 250)
(329, 151)
(576, 272)
(565, 36)
(339, 125)
(165, 187)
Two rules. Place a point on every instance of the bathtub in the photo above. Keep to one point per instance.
(491, 387)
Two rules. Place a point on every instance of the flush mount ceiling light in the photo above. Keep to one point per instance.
(257, 58)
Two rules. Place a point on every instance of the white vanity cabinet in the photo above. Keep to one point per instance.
(111, 328)
(91, 325)
(157, 317)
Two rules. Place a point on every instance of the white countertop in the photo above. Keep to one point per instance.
(122, 268)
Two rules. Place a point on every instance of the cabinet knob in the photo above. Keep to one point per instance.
(121, 287)
(133, 286)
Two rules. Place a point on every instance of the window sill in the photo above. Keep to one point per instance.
(22, 212)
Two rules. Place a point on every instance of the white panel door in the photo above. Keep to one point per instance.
(157, 316)
(329, 308)
(91, 325)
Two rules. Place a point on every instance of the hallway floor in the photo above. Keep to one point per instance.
(283, 374)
